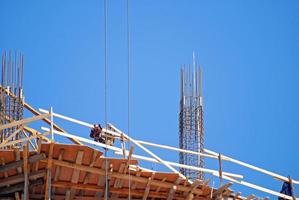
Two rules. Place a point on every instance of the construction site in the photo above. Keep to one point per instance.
(42, 159)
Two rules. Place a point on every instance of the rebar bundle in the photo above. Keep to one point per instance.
(11, 106)
(191, 120)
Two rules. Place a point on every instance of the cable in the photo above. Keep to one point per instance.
(106, 88)
(129, 78)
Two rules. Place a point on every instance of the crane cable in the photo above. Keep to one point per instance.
(106, 88)
(129, 84)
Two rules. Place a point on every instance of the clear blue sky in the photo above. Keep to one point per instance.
(248, 50)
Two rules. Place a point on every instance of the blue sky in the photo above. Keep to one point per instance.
(248, 51)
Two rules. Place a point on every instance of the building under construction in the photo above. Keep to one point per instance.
(35, 165)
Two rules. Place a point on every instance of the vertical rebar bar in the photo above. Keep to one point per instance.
(11, 94)
(191, 119)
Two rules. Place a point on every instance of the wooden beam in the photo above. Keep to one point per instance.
(102, 179)
(214, 172)
(251, 185)
(122, 176)
(75, 177)
(135, 183)
(195, 184)
(148, 186)
(58, 168)
(37, 133)
(49, 169)
(20, 163)
(173, 188)
(35, 112)
(252, 196)
(122, 191)
(274, 175)
(24, 121)
(158, 188)
(94, 160)
(12, 135)
(20, 178)
(222, 189)
(149, 152)
(25, 167)
(20, 187)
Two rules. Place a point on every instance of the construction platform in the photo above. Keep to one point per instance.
(78, 172)
(36, 166)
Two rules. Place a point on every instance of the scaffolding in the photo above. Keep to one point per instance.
(191, 128)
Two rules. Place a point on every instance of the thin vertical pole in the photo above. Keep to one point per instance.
(51, 118)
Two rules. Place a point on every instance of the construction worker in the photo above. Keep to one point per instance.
(96, 133)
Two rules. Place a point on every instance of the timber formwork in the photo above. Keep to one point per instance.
(78, 172)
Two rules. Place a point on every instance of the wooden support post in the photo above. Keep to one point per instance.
(173, 188)
(134, 184)
(75, 177)
(148, 186)
(49, 176)
(220, 169)
(26, 180)
(102, 178)
(17, 196)
(57, 170)
(88, 174)
(18, 157)
(121, 182)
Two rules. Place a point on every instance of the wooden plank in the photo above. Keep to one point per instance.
(222, 189)
(125, 168)
(18, 157)
(20, 187)
(148, 186)
(17, 196)
(122, 191)
(26, 180)
(122, 176)
(102, 179)
(194, 185)
(20, 163)
(159, 188)
(94, 160)
(20, 178)
(12, 135)
(49, 168)
(173, 188)
(135, 183)
(24, 121)
(252, 196)
(58, 168)
(37, 133)
(3, 165)
(35, 112)
(75, 177)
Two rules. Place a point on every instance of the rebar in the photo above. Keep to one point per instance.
(11, 105)
(191, 129)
